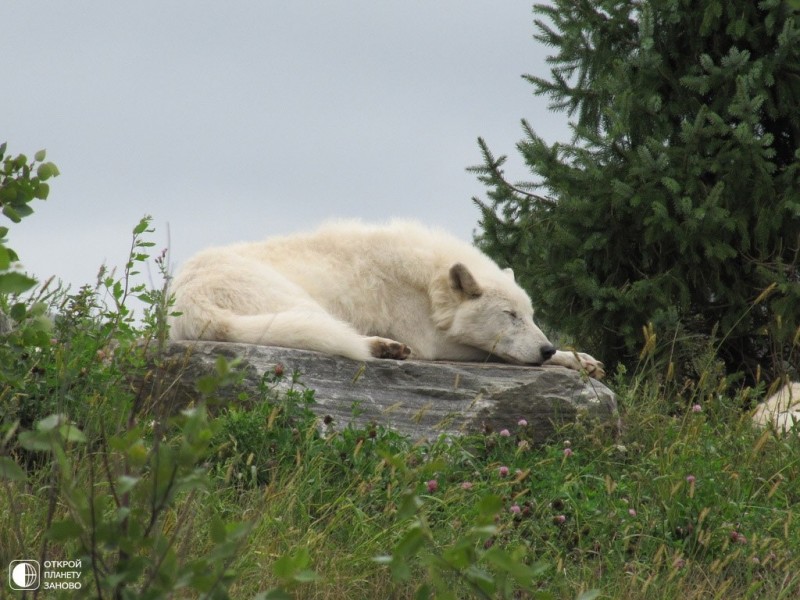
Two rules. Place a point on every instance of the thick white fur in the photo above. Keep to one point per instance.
(349, 285)
(782, 409)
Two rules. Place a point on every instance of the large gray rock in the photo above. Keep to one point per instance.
(422, 399)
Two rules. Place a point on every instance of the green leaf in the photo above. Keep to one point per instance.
(47, 170)
(71, 433)
(15, 283)
(410, 543)
(423, 592)
(40, 155)
(137, 453)
(481, 578)
(18, 312)
(490, 505)
(217, 527)
(400, 570)
(306, 576)
(23, 210)
(11, 470)
(42, 191)
(64, 530)
(36, 440)
(50, 422)
(11, 214)
(409, 506)
(142, 226)
(206, 385)
(504, 561)
(283, 568)
(302, 558)
(5, 258)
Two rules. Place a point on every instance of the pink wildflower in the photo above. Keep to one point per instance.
(505, 432)
(567, 452)
(522, 423)
(738, 538)
(433, 485)
(697, 408)
(515, 509)
(466, 485)
(559, 519)
(503, 471)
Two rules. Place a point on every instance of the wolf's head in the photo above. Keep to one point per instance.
(494, 315)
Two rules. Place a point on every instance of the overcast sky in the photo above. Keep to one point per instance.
(231, 121)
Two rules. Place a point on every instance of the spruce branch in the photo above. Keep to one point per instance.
(491, 173)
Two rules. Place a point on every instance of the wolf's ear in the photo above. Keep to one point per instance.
(509, 273)
(461, 280)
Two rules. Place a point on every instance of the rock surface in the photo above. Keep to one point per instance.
(422, 399)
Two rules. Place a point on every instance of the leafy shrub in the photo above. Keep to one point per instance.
(21, 181)
(118, 470)
(262, 436)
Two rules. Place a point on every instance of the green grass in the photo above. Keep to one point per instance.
(258, 500)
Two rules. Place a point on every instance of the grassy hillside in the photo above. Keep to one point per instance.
(258, 500)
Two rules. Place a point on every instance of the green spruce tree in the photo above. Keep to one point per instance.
(677, 202)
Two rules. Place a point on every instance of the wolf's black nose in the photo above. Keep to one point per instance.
(547, 351)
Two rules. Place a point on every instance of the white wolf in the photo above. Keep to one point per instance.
(782, 409)
(365, 292)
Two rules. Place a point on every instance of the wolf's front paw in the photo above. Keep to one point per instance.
(591, 365)
(580, 361)
(385, 348)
